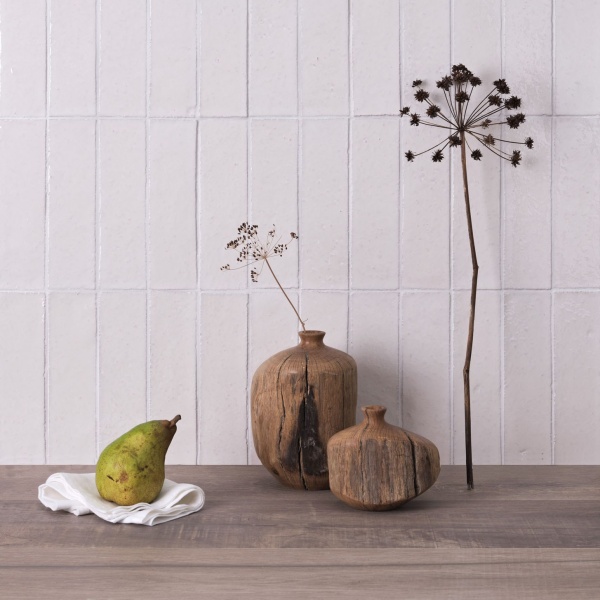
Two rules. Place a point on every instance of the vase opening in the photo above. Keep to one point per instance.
(374, 413)
(311, 338)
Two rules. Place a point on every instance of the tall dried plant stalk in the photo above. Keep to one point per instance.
(462, 125)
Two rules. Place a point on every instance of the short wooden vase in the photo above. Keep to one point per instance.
(376, 466)
(300, 398)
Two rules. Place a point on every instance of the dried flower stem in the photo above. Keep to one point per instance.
(251, 250)
(286, 296)
(467, 366)
(462, 121)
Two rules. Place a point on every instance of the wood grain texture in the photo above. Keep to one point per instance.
(524, 532)
(467, 574)
(512, 507)
(377, 466)
(300, 398)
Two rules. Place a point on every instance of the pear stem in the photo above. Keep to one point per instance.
(174, 421)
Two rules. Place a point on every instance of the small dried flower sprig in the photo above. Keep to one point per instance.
(251, 250)
(460, 122)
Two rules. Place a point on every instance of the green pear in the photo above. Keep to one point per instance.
(132, 468)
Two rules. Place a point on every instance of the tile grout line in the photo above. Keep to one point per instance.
(349, 180)
(299, 163)
(248, 213)
(47, 245)
(552, 319)
(147, 208)
(502, 261)
(197, 192)
(198, 331)
(403, 291)
(451, 294)
(97, 223)
(107, 117)
(400, 313)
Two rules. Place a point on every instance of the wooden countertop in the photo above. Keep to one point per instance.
(524, 532)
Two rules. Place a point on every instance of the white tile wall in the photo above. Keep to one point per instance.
(528, 378)
(374, 203)
(136, 135)
(122, 357)
(122, 32)
(374, 56)
(222, 67)
(24, 50)
(23, 429)
(272, 57)
(71, 204)
(72, 40)
(171, 198)
(323, 57)
(324, 207)
(173, 58)
(121, 196)
(425, 364)
(23, 207)
(71, 377)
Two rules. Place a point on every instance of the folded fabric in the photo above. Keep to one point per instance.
(77, 494)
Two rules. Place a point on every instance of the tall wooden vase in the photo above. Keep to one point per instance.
(300, 398)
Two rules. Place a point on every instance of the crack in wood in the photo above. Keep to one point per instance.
(414, 462)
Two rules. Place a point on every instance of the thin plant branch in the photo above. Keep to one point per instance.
(286, 296)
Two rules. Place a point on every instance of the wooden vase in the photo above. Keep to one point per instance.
(377, 466)
(300, 398)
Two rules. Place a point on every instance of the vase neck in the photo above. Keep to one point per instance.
(374, 414)
(311, 338)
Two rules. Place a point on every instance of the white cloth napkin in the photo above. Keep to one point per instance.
(77, 494)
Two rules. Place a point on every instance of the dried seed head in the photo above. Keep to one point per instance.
(433, 111)
(512, 103)
(454, 141)
(515, 159)
(460, 122)
(501, 86)
(445, 83)
(514, 121)
(421, 95)
(461, 74)
(251, 249)
(415, 119)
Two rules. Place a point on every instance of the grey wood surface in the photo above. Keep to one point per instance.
(524, 532)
